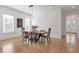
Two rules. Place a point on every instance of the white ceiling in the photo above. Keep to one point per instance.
(25, 8)
(42, 8)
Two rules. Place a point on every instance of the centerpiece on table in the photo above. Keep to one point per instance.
(34, 27)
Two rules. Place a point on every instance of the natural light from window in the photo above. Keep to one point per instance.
(8, 23)
(27, 24)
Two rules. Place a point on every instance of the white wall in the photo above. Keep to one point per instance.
(44, 19)
(50, 18)
(66, 13)
(16, 14)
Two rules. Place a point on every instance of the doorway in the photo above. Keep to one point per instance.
(71, 28)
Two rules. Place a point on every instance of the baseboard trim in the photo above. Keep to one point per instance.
(10, 38)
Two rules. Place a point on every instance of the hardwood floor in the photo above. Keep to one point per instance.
(16, 45)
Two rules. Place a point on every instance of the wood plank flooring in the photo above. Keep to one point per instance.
(16, 45)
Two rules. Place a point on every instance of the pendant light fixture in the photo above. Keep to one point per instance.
(30, 14)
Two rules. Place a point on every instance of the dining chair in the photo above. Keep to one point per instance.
(47, 36)
(34, 36)
(26, 35)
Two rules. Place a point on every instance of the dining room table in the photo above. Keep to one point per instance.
(36, 35)
(40, 32)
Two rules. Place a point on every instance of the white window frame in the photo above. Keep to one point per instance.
(27, 24)
(8, 23)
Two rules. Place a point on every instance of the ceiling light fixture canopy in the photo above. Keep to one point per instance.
(30, 5)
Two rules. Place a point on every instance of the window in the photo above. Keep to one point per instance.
(71, 23)
(27, 24)
(8, 23)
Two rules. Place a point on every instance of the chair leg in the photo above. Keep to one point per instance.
(29, 41)
(41, 40)
(47, 40)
